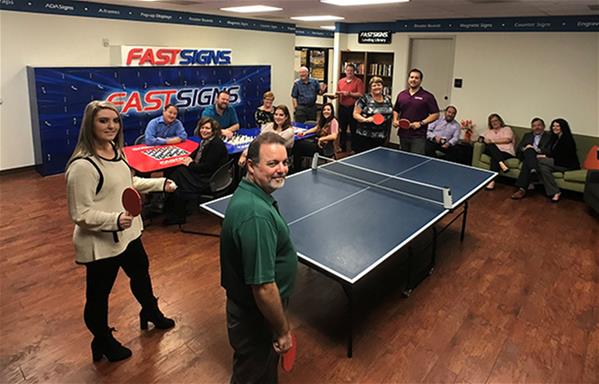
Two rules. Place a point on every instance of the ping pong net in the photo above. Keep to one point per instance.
(380, 180)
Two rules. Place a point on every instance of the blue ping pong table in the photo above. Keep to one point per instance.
(348, 217)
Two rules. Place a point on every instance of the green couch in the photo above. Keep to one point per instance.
(571, 180)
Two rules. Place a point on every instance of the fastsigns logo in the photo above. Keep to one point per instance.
(175, 56)
(156, 99)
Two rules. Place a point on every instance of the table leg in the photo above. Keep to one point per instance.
(464, 214)
(350, 319)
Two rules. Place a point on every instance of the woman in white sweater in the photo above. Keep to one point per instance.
(106, 237)
(281, 126)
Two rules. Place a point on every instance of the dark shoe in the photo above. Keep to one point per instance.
(519, 194)
(153, 315)
(173, 221)
(556, 197)
(107, 345)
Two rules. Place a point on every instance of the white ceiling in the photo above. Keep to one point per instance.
(415, 9)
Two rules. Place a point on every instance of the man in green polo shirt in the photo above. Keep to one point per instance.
(258, 265)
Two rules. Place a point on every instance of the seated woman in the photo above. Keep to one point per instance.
(326, 133)
(562, 157)
(264, 113)
(499, 144)
(281, 126)
(193, 176)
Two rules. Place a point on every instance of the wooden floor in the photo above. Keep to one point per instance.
(518, 301)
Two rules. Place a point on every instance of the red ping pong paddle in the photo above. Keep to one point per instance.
(288, 359)
(404, 123)
(378, 118)
(131, 201)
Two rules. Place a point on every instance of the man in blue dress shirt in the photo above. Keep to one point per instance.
(303, 96)
(443, 134)
(165, 129)
(222, 112)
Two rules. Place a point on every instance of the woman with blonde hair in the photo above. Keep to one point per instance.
(107, 237)
(499, 145)
(265, 113)
(368, 133)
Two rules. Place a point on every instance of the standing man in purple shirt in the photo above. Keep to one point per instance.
(443, 134)
(420, 108)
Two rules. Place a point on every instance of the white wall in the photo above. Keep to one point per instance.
(518, 75)
(49, 40)
(523, 75)
(313, 42)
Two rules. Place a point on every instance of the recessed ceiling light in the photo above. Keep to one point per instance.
(252, 9)
(318, 18)
(328, 27)
(345, 3)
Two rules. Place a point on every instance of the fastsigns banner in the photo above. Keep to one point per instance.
(59, 95)
(162, 56)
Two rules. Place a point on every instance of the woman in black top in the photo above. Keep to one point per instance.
(265, 113)
(368, 133)
(562, 157)
(193, 176)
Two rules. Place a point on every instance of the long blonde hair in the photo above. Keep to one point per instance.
(86, 143)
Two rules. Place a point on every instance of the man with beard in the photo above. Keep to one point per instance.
(420, 108)
(222, 112)
(258, 265)
(443, 134)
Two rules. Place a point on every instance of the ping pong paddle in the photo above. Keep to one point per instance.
(378, 118)
(404, 123)
(288, 359)
(131, 201)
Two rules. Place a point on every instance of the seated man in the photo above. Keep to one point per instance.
(165, 129)
(224, 114)
(443, 134)
(535, 143)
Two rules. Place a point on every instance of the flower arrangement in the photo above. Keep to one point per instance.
(468, 128)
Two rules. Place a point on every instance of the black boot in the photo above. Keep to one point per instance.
(106, 345)
(151, 313)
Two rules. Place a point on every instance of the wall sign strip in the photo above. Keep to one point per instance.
(314, 33)
(117, 12)
(503, 24)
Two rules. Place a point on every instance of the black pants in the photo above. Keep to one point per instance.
(459, 153)
(496, 156)
(189, 188)
(307, 148)
(529, 162)
(304, 113)
(363, 143)
(100, 278)
(346, 119)
(250, 335)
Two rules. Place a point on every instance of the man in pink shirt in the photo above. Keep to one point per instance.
(349, 89)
